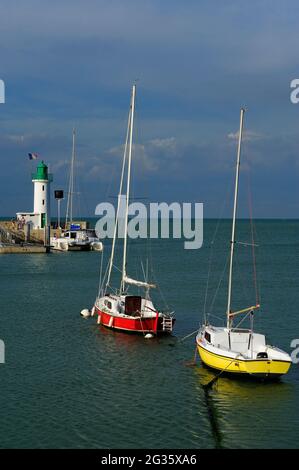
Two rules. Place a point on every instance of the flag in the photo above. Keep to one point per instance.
(32, 156)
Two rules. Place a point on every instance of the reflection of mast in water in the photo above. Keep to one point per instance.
(209, 403)
(213, 417)
(211, 410)
(232, 398)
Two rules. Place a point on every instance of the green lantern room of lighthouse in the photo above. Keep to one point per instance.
(42, 173)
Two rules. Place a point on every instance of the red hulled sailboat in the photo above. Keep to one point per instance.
(117, 308)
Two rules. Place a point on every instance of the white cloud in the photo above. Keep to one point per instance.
(247, 135)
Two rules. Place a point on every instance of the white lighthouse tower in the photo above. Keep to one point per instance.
(40, 217)
(41, 180)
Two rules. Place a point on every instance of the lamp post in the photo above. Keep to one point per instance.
(58, 193)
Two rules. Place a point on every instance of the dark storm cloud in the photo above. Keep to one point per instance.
(71, 63)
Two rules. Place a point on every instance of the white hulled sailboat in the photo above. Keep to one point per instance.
(231, 349)
(74, 237)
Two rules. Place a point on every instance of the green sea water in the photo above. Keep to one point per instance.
(67, 383)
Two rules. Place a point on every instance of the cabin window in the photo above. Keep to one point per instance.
(73, 235)
(208, 337)
(43, 187)
(262, 355)
(43, 202)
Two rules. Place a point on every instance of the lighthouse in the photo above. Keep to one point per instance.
(40, 217)
(41, 181)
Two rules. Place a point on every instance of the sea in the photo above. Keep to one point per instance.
(68, 383)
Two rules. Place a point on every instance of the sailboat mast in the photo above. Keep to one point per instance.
(72, 172)
(69, 208)
(118, 202)
(128, 189)
(232, 246)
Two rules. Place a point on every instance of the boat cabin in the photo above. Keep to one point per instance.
(131, 305)
(75, 235)
(240, 340)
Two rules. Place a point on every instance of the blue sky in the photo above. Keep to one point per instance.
(71, 64)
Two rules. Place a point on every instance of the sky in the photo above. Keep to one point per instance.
(71, 64)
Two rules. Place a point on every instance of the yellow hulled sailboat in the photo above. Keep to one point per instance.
(236, 350)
